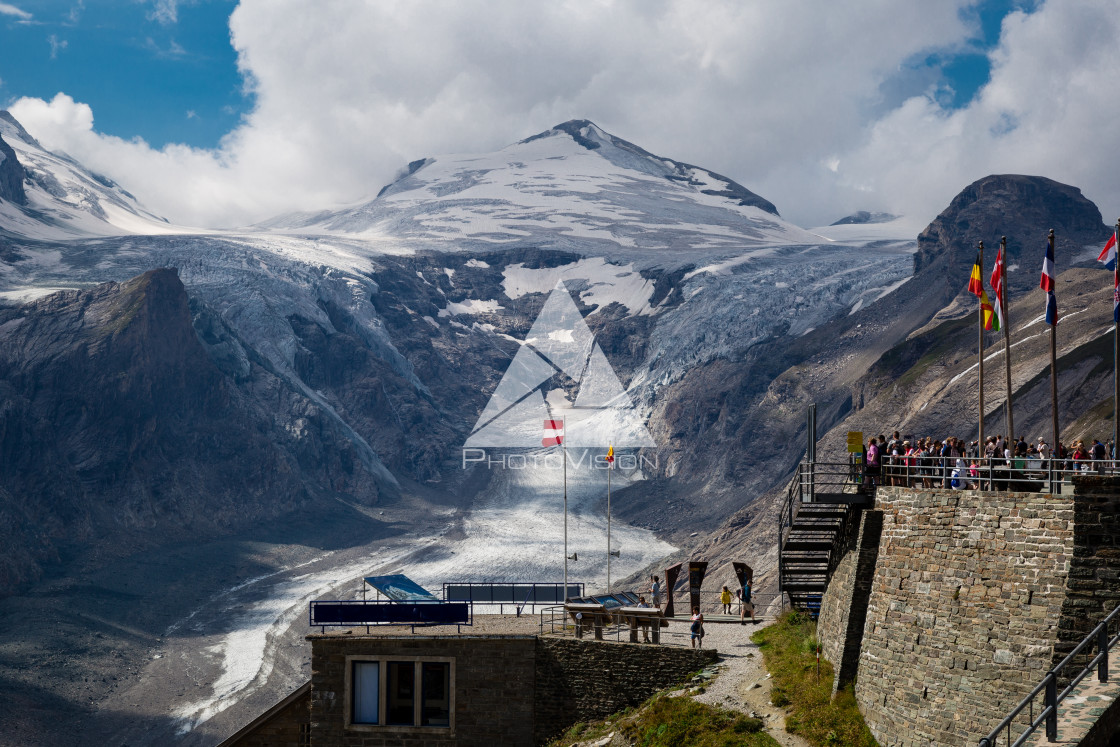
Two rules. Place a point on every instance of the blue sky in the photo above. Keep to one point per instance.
(165, 72)
(822, 107)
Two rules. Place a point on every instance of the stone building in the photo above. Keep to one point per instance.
(444, 690)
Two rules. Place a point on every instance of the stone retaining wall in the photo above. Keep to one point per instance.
(581, 680)
(965, 604)
(844, 606)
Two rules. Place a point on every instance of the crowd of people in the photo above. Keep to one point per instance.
(956, 463)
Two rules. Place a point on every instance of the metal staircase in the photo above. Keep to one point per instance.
(821, 501)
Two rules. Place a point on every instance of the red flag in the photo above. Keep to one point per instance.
(610, 455)
(553, 433)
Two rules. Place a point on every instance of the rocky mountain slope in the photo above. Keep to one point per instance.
(323, 371)
(924, 380)
(373, 337)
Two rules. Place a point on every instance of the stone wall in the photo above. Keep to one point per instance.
(844, 606)
(1093, 588)
(966, 602)
(581, 680)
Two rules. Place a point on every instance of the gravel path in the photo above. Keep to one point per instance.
(742, 683)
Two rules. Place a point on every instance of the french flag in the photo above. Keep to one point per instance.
(1047, 283)
(553, 433)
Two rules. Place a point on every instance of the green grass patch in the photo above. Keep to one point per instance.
(675, 722)
(789, 649)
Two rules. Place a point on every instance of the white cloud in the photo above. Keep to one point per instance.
(56, 45)
(1047, 110)
(164, 12)
(7, 9)
(784, 97)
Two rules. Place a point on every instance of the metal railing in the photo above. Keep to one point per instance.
(1048, 688)
(846, 481)
(1029, 473)
(515, 594)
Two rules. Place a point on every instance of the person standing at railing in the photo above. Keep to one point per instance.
(873, 465)
(655, 591)
(1098, 453)
(1080, 457)
(946, 455)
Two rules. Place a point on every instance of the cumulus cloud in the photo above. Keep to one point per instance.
(1047, 110)
(787, 98)
(6, 9)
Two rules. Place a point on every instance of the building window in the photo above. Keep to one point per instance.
(402, 681)
(435, 679)
(366, 688)
(401, 693)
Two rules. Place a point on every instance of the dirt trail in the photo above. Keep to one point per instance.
(742, 683)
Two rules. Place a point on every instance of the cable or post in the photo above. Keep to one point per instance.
(1003, 304)
(1054, 357)
(1115, 358)
(608, 527)
(1051, 703)
(564, 451)
(980, 344)
(1102, 645)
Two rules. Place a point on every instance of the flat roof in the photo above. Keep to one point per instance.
(485, 626)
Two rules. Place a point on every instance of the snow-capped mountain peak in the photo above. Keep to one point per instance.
(574, 187)
(63, 199)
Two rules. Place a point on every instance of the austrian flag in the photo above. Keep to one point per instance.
(553, 433)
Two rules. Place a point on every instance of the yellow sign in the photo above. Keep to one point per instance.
(855, 442)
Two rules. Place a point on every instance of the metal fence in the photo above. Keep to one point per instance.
(1051, 699)
(1020, 474)
(516, 595)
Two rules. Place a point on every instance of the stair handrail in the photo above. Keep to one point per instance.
(785, 520)
(1049, 684)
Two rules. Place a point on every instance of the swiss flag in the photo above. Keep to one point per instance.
(553, 433)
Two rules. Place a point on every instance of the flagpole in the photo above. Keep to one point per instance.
(1115, 353)
(980, 327)
(564, 449)
(1054, 355)
(608, 526)
(1003, 304)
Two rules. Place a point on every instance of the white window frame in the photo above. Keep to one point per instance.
(383, 694)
